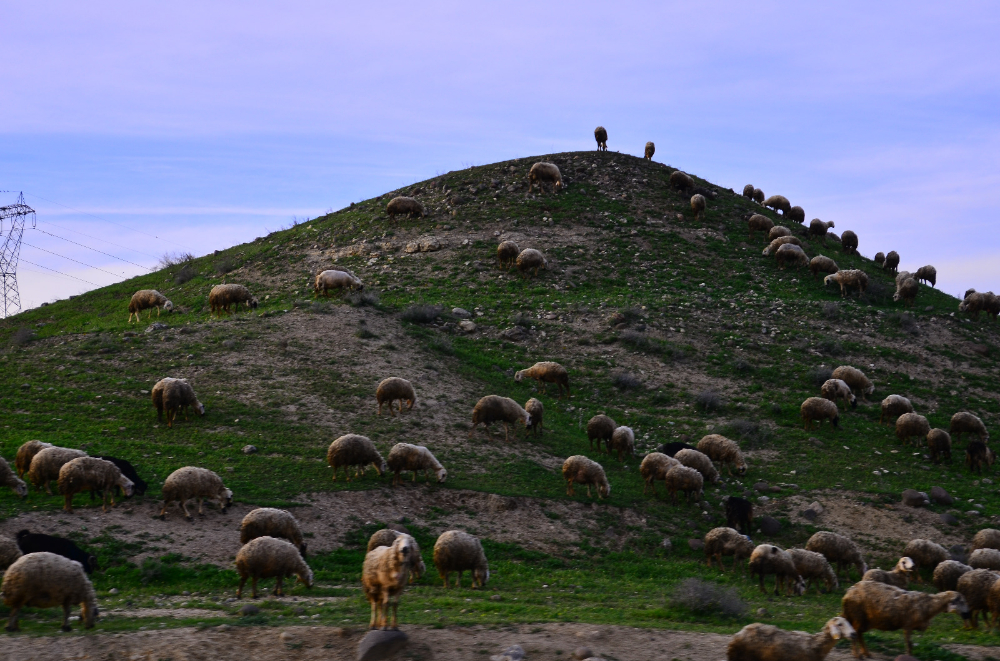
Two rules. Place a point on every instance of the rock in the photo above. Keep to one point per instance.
(770, 526)
(696, 544)
(582, 653)
(287, 637)
(495, 597)
(467, 326)
(941, 497)
(762, 487)
(249, 610)
(515, 334)
(816, 507)
(980, 349)
(763, 500)
(949, 519)
(906, 657)
(378, 644)
(113, 591)
(667, 545)
(914, 498)
(815, 441)
(429, 244)
(762, 612)
(498, 503)
(959, 553)
(512, 653)
(810, 514)
(155, 326)
(616, 319)
(460, 313)
(610, 532)
(249, 449)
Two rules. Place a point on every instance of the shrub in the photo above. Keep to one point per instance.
(830, 310)
(185, 274)
(175, 259)
(820, 375)
(708, 401)
(421, 314)
(707, 598)
(360, 299)
(752, 434)
(22, 336)
(876, 293)
(631, 315)
(830, 347)
(443, 345)
(626, 381)
(365, 334)
(225, 265)
(741, 366)
(637, 341)
(905, 321)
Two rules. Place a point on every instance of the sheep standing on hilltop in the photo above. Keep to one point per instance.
(769, 559)
(270, 557)
(354, 450)
(193, 482)
(838, 549)
(856, 379)
(384, 576)
(779, 203)
(837, 389)
(797, 214)
(650, 150)
(336, 279)
(406, 206)
(47, 463)
(766, 642)
(222, 296)
(819, 409)
(601, 428)
(392, 389)
(748, 191)
(822, 264)
(458, 551)
(681, 181)
(879, 258)
(721, 542)
(894, 406)
(546, 372)
(891, 262)
(779, 241)
(47, 580)
(849, 242)
(91, 473)
(414, 458)
(545, 172)
(759, 223)
(601, 135)
(819, 228)
(792, 254)
(27, 452)
(174, 396)
(724, 451)
(272, 522)
(848, 279)
(530, 259)
(507, 253)
(698, 205)
(654, 467)
(8, 479)
(926, 274)
(147, 299)
(758, 196)
(494, 408)
(537, 412)
(964, 422)
(581, 470)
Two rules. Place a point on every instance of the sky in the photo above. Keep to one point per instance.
(139, 129)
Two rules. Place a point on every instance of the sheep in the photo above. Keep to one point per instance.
(8, 479)
(766, 642)
(650, 150)
(47, 580)
(270, 557)
(354, 450)
(925, 554)
(27, 452)
(36, 542)
(46, 464)
(700, 462)
(414, 458)
(759, 223)
(855, 378)
(739, 514)
(926, 274)
(544, 373)
(894, 406)
(272, 522)
(992, 305)
(147, 299)
(85, 473)
(769, 559)
(654, 467)
(173, 396)
(899, 576)
(726, 541)
(536, 410)
(849, 242)
(977, 455)
(507, 253)
(819, 228)
(687, 480)
(848, 279)
(965, 422)
(813, 566)
(222, 296)
(838, 549)
(985, 559)
(529, 259)
(681, 181)
(906, 291)
(139, 485)
(600, 427)
(9, 552)
(748, 191)
(947, 573)
(777, 232)
(698, 205)
(879, 258)
(973, 303)
(870, 605)
(336, 279)
(193, 482)
(776, 243)
(494, 408)
(406, 206)
(837, 389)
(601, 135)
(987, 538)
(976, 586)
(457, 551)
(541, 172)
(797, 214)
(822, 264)
(891, 262)
(910, 425)
(758, 196)
(819, 409)
(384, 576)
(622, 441)
(393, 388)
(581, 470)
(672, 448)
(723, 450)
(779, 203)
(386, 536)
(939, 445)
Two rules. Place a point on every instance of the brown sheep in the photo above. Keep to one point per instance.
(174, 396)
(272, 522)
(759, 223)
(797, 214)
(985, 559)
(894, 406)
(222, 296)
(494, 408)
(270, 557)
(939, 445)
(27, 452)
(600, 427)
(354, 450)
(777, 242)
(856, 379)
(458, 551)
(698, 205)
(978, 455)
(848, 279)
(837, 389)
(925, 554)
(581, 470)
(769, 559)
(819, 409)
(748, 191)
(536, 410)
(681, 181)
(819, 228)
(987, 538)
(395, 388)
(342, 281)
(194, 482)
(9, 552)
(698, 461)
(654, 467)
(8, 479)
(723, 450)
(404, 205)
(720, 542)
(964, 422)
(92, 474)
(544, 373)
(779, 203)
(684, 479)
(911, 425)
(622, 442)
(814, 567)
(899, 576)
(385, 537)
(822, 264)
(975, 586)
(926, 274)
(601, 135)
(507, 253)
(838, 549)
(758, 196)
(47, 463)
(777, 232)
(765, 642)
(792, 254)
(147, 299)
(906, 291)
(849, 242)
(947, 573)
(650, 150)
(530, 259)
(542, 172)
(47, 580)
(384, 576)
(414, 458)
(891, 262)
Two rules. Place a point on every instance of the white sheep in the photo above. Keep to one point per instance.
(92, 474)
(622, 441)
(581, 470)
(222, 296)
(530, 259)
(698, 461)
(819, 409)
(542, 172)
(837, 389)
(406, 457)
(765, 642)
(272, 522)
(546, 372)
(8, 479)
(46, 464)
(494, 408)
(848, 279)
(147, 299)
(336, 279)
(654, 467)
(354, 450)
(725, 451)
(769, 559)
(384, 576)
(392, 389)
(27, 452)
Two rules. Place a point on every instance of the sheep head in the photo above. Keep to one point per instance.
(519, 375)
(839, 628)
(441, 474)
(305, 577)
(168, 306)
(226, 496)
(905, 565)
(957, 604)
(481, 576)
(604, 490)
(199, 407)
(21, 489)
(128, 488)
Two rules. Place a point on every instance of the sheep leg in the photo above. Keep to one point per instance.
(201, 506)
(187, 515)
(371, 622)
(253, 587)
(588, 490)
(909, 643)
(239, 590)
(12, 620)
(65, 625)
(569, 488)
(277, 587)
(506, 432)
(395, 614)
(68, 504)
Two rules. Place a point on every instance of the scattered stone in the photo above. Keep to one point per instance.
(155, 326)
(949, 518)
(816, 507)
(914, 498)
(810, 514)
(460, 313)
(763, 500)
(582, 653)
(249, 610)
(287, 637)
(610, 532)
(815, 441)
(378, 644)
(249, 449)
(975, 512)
(512, 653)
(959, 553)
(696, 544)
(762, 487)
(667, 545)
(770, 526)
(298, 610)
(495, 597)
(762, 612)
(941, 497)
(113, 591)
(515, 334)
(467, 326)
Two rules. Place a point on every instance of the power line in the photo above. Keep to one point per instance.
(112, 243)
(94, 249)
(60, 272)
(90, 266)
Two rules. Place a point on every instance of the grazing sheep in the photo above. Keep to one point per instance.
(894, 406)
(947, 573)
(681, 181)
(46, 465)
(759, 223)
(542, 172)
(687, 480)
(869, 605)
(720, 542)
(976, 586)
(650, 150)
(414, 458)
(791, 254)
(748, 191)
(965, 422)
(822, 264)
(698, 205)
(27, 452)
(581, 470)
(848, 279)
(939, 445)
(765, 642)
(758, 196)
(739, 514)
(193, 482)
(139, 485)
(9, 552)
(494, 408)
(906, 291)
(723, 450)
(769, 559)
(819, 228)
(833, 235)
(654, 467)
(386, 536)
(672, 448)
(855, 378)
(891, 261)
(837, 389)
(601, 135)
(926, 274)
(779, 203)
(173, 396)
(8, 479)
(272, 522)
(600, 427)
(985, 559)
(336, 279)
(147, 299)
(536, 411)
(925, 554)
(974, 303)
(270, 557)
(507, 253)
(529, 259)
(849, 242)
(404, 205)
(47, 580)
(879, 258)
(86, 473)
(838, 549)
(987, 538)
(819, 409)
(779, 231)
(622, 441)
(776, 243)
(977, 455)
(36, 542)
(813, 566)
(700, 462)
(457, 551)
(797, 214)
(222, 296)
(393, 388)
(546, 372)
(910, 425)
(384, 576)
(899, 576)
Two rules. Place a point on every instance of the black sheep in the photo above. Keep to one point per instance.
(977, 454)
(670, 449)
(128, 470)
(739, 514)
(34, 542)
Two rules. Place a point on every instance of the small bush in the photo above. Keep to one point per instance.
(830, 347)
(229, 344)
(637, 341)
(830, 310)
(741, 366)
(775, 408)
(876, 293)
(904, 321)
(22, 336)
(752, 434)
(360, 299)
(626, 381)
(365, 334)
(820, 375)
(443, 345)
(708, 401)
(708, 598)
(522, 320)
(225, 265)
(631, 315)
(320, 308)
(175, 259)
(421, 314)
(185, 274)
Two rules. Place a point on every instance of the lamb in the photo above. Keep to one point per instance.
(8, 479)
(681, 181)
(739, 514)
(47, 463)
(977, 455)
(965, 422)
(654, 467)
(849, 242)
(797, 214)
(9, 552)
(987, 538)
(813, 566)
(976, 586)
(541, 172)
(894, 406)
(985, 559)
(174, 396)
(393, 388)
(855, 378)
(384, 576)
(687, 480)
(406, 206)
(779, 203)
(622, 441)
(848, 279)
(819, 228)
(536, 410)
(765, 642)
(838, 549)
(870, 605)
(546, 372)
(335, 279)
(768, 559)
(36, 542)
(494, 408)
(906, 291)
(723, 450)
(698, 205)
(529, 259)
(910, 425)
(86, 473)
(600, 427)
(581, 470)
(939, 445)
(193, 482)
(926, 274)
(758, 196)
(601, 135)
(700, 462)
(720, 542)
(837, 389)
(47, 580)
(414, 458)
(27, 452)
(147, 299)
(386, 536)
(457, 551)
(819, 409)
(650, 150)
(748, 191)
(899, 576)
(925, 554)
(776, 243)
(759, 223)
(272, 522)
(222, 296)
(139, 485)
(891, 261)
(947, 573)
(779, 231)
(822, 264)
(270, 557)
(507, 253)
(879, 258)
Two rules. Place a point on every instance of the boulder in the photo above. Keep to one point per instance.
(249, 449)
(512, 653)
(378, 644)
(762, 487)
(467, 326)
(248, 610)
(941, 497)
(460, 313)
(770, 526)
(696, 544)
(810, 514)
(667, 545)
(949, 518)
(581, 653)
(914, 498)
(816, 507)
(515, 334)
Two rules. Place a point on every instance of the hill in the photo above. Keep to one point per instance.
(674, 326)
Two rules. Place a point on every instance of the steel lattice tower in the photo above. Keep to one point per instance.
(11, 250)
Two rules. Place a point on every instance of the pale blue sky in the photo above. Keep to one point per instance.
(193, 126)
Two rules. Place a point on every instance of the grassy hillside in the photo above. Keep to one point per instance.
(675, 326)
